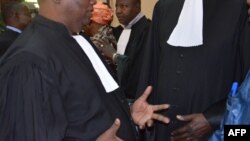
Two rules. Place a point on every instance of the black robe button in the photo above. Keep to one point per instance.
(178, 72)
(176, 89)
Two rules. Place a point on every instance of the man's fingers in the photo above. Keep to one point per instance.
(182, 130)
(160, 107)
(181, 137)
(110, 134)
(115, 127)
(161, 118)
(150, 123)
(146, 93)
(184, 118)
(142, 127)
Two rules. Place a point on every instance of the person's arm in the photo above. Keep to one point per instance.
(200, 124)
(143, 114)
(196, 128)
(215, 113)
(30, 106)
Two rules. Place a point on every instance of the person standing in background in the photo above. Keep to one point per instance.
(100, 31)
(196, 49)
(131, 41)
(16, 16)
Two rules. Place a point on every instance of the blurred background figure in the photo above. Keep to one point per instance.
(16, 16)
(130, 36)
(99, 29)
(248, 4)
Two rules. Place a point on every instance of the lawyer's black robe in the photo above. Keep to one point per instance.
(49, 90)
(6, 39)
(194, 78)
(129, 71)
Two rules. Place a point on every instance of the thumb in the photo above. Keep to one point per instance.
(184, 117)
(115, 126)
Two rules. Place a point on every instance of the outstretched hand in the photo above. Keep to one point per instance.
(110, 134)
(196, 128)
(143, 113)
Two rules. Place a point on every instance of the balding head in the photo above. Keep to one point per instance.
(71, 13)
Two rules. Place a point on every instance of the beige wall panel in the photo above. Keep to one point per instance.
(147, 7)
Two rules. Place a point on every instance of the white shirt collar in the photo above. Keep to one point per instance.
(135, 20)
(13, 29)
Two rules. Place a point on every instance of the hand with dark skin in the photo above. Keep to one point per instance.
(144, 114)
(197, 127)
(110, 134)
(106, 49)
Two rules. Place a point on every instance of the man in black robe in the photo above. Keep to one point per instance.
(56, 87)
(193, 78)
(16, 16)
(129, 15)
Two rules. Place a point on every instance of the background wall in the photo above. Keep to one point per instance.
(147, 7)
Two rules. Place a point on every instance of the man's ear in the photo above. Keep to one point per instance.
(138, 5)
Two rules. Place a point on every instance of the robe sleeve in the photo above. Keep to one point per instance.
(31, 108)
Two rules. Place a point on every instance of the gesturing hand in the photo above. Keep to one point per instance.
(144, 113)
(194, 130)
(110, 134)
